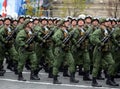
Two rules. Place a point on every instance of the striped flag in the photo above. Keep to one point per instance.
(4, 11)
(1, 2)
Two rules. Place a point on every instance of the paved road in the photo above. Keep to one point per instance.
(9, 81)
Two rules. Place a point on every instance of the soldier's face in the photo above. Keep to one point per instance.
(80, 23)
(113, 23)
(88, 21)
(36, 22)
(67, 24)
(74, 23)
(1, 23)
(15, 23)
(7, 23)
(21, 20)
(106, 24)
(95, 23)
(118, 23)
(30, 25)
(109, 24)
(44, 22)
(50, 22)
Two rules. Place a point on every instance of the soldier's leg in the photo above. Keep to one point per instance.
(9, 61)
(77, 55)
(2, 71)
(111, 69)
(33, 61)
(91, 57)
(71, 63)
(39, 54)
(116, 56)
(80, 62)
(86, 65)
(2, 55)
(14, 55)
(57, 62)
(21, 62)
(96, 64)
(65, 69)
(50, 57)
(104, 66)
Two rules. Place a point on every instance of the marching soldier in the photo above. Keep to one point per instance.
(27, 50)
(102, 54)
(80, 49)
(116, 46)
(95, 26)
(62, 52)
(7, 44)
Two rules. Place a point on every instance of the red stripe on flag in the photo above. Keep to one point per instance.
(4, 11)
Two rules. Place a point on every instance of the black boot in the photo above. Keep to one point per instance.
(80, 71)
(36, 72)
(27, 65)
(110, 82)
(10, 67)
(99, 76)
(50, 75)
(34, 76)
(86, 76)
(20, 77)
(112, 78)
(2, 71)
(55, 80)
(15, 68)
(95, 83)
(105, 73)
(65, 72)
(72, 78)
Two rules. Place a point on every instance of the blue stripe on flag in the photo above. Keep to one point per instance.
(1, 2)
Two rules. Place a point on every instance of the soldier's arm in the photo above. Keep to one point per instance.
(38, 30)
(20, 39)
(57, 38)
(95, 37)
(115, 33)
(75, 36)
(2, 39)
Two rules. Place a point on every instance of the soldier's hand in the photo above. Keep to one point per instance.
(78, 45)
(102, 44)
(43, 41)
(26, 46)
(6, 42)
(63, 45)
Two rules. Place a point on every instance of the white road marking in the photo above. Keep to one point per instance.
(27, 72)
(63, 85)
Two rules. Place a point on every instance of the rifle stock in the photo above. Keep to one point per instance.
(46, 36)
(66, 40)
(105, 39)
(9, 37)
(81, 39)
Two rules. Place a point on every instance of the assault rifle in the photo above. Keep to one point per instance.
(106, 38)
(46, 36)
(10, 36)
(66, 39)
(31, 39)
(81, 39)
